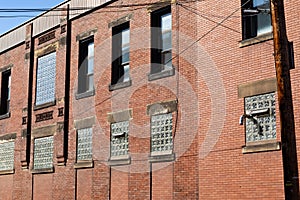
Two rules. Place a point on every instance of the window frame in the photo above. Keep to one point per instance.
(254, 88)
(120, 117)
(6, 93)
(159, 68)
(84, 76)
(250, 21)
(9, 170)
(91, 143)
(258, 115)
(46, 169)
(86, 123)
(170, 131)
(119, 137)
(50, 102)
(118, 71)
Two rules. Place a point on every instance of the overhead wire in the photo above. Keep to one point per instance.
(85, 8)
(193, 43)
(107, 9)
(195, 11)
(208, 32)
(196, 41)
(135, 7)
(142, 6)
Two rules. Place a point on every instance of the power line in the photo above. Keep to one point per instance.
(193, 10)
(84, 8)
(31, 10)
(208, 32)
(200, 38)
(217, 24)
(70, 14)
(190, 46)
(17, 16)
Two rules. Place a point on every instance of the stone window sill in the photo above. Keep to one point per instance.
(84, 164)
(162, 158)
(44, 105)
(261, 147)
(42, 171)
(255, 40)
(119, 160)
(84, 94)
(162, 74)
(120, 85)
(7, 172)
(4, 116)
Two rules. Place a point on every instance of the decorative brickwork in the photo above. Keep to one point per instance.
(47, 37)
(44, 116)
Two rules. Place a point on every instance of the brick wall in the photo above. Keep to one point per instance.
(210, 67)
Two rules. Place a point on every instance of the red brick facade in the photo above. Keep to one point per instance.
(213, 71)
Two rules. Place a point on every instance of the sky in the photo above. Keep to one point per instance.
(9, 20)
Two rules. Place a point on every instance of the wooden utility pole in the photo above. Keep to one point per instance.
(287, 126)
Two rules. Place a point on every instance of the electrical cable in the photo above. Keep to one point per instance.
(83, 8)
(194, 10)
(208, 32)
(189, 46)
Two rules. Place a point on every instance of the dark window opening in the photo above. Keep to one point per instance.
(5, 92)
(120, 54)
(256, 18)
(86, 66)
(161, 40)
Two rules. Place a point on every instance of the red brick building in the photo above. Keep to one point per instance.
(142, 100)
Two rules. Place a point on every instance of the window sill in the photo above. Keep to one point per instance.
(84, 164)
(42, 171)
(119, 160)
(162, 74)
(120, 85)
(255, 40)
(84, 94)
(44, 105)
(162, 158)
(7, 172)
(4, 116)
(262, 147)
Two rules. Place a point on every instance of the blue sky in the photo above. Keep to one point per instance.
(14, 19)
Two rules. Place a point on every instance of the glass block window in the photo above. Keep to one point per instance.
(119, 139)
(84, 144)
(262, 125)
(161, 133)
(43, 153)
(45, 81)
(7, 156)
